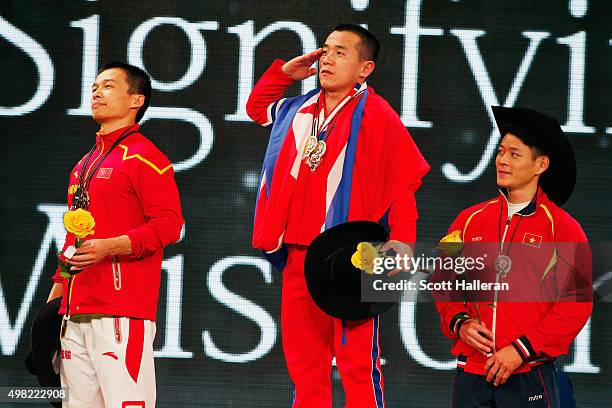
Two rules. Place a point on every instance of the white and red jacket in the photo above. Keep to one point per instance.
(132, 192)
(538, 330)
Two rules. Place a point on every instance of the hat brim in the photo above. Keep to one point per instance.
(559, 180)
(332, 280)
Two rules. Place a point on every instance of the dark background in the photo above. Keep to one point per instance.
(38, 149)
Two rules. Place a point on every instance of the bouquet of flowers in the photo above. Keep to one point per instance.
(364, 257)
(451, 244)
(79, 222)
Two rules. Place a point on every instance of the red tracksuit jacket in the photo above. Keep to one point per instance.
(537, 329)
(132, 192)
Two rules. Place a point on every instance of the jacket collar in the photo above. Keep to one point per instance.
(109, 138)
(531, 208)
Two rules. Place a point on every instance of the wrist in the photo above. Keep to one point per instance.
(283, 69)
(120, 246)
(457, 321)
(523, 346)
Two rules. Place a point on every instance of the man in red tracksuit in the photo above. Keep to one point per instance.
(506, 349)
(110, 299)
(336, 154)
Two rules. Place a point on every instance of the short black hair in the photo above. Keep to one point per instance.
(138, 82)
(369, 47)
(525, 134)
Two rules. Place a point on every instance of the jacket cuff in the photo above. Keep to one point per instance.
(524, 348)
(457, 321)
(135, 243)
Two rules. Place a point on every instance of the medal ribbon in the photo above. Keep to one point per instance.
(80, 199)
(316, 146)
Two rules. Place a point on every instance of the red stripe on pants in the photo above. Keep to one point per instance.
(133, 353)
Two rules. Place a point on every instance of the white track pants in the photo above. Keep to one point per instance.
(108, 362)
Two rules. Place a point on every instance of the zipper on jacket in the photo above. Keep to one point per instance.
(501, 244)
(67, 314)
(501, 247)
(116, 265)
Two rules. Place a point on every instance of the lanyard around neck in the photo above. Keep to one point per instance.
(80, 199)
(324, 134)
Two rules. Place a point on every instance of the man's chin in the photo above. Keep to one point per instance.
(97, 118)
(503, 183)
(326, 85)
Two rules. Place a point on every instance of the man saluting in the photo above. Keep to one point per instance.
(335, 154)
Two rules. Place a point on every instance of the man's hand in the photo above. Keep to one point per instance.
(300, 68)
(95, 250)
(476, 334)
(401, 249)
(501, 364)
(90, 253)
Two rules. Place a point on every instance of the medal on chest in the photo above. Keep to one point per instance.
(503, 262)
(81, 196)
(80, 199)
(313, 154)
(315, 145)
(502, 265)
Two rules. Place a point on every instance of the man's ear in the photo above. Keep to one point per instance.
(367, 69)
(137, 100)
(542, 162)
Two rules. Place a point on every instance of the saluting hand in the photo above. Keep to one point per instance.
(300, 68)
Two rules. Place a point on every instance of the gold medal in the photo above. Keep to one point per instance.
(316, 155)
(311, 143)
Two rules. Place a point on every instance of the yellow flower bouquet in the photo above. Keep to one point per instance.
(364, 257)
(80, 223)
(451, 244)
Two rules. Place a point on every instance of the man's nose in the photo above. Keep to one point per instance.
(327, 59)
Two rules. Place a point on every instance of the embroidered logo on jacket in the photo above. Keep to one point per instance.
(532, 240)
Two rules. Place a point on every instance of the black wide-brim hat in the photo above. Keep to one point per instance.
(45, 342)
(544, 132)
(334, 283)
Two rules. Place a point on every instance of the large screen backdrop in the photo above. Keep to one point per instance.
(443, 63)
